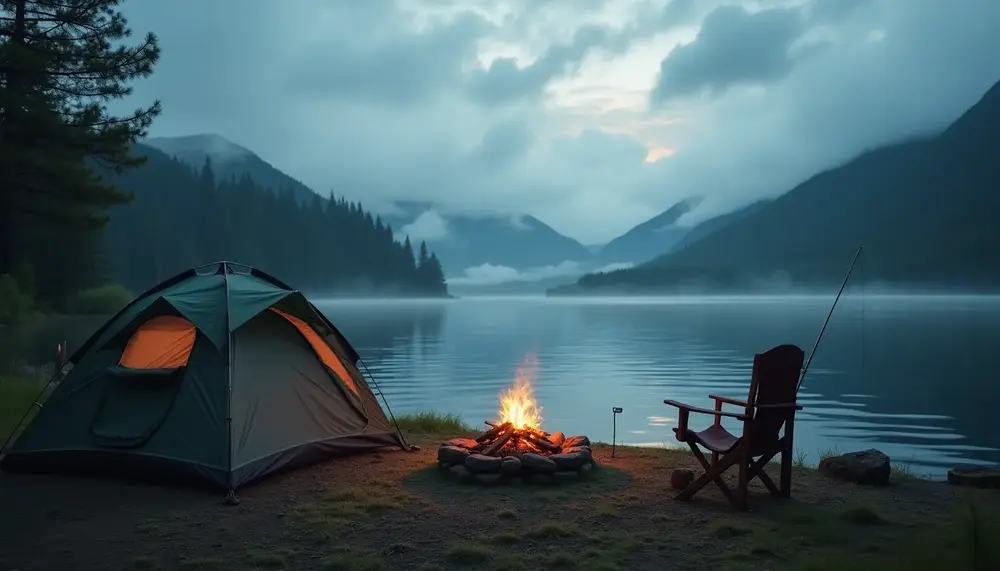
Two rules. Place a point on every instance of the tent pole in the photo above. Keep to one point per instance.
(231, 499)
(61, 358)
(386, 401)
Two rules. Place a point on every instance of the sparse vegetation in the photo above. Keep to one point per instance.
(430, 423)
(467, 553)
(16, 396)
(350, 559)
(621, 518)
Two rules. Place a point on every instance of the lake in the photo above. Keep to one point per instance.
(914, 376)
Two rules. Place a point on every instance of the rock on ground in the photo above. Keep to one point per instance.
(975, 476)
(466, 443)
(511, 465)
(482, 464)
(870, 467)
(452, 455)
(537, 463)
(681, 478)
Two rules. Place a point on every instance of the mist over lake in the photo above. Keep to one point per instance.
(907, 374)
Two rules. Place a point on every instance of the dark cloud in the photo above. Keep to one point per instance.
(380, 101)
(504, 143)
(503, 82)
(829, 11)
(397, 68)
(734, 46)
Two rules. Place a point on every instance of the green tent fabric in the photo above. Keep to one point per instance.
(218, 376)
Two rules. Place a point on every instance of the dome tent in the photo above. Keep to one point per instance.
(220, 375)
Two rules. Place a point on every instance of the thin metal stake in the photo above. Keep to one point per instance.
(614, 428)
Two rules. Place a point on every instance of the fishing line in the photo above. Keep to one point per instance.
(828, 316)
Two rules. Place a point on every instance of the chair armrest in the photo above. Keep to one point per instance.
(780, 405)
(728, 400)
(689, 408)
(685, 409)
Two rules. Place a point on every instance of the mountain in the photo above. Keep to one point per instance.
(467, 240)
(229, 160)
(651, 238)
(182, 217)
(710, 225)
(925, 210)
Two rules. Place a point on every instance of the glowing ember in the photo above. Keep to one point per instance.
(517, 404)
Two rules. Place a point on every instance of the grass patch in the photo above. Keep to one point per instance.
(16, 395)
(326, 516)
(143, 562)
(268, 559)
(432, 423)
(829, 453)
(146, 527)
(350, 559)
(507, 514)
(505, 538)
(467, 554)
(862, 515)
(606, 512)
(551, 530)
(800, 460)
(561, 560)
(203, 564)
(729, 528)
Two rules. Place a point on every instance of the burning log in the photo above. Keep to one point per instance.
(541, 442)
(498, 443)
(493, 432)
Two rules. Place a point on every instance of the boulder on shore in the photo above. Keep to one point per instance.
(975, 476)
(868, 467)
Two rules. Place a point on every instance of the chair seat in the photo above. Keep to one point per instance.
(714, 438)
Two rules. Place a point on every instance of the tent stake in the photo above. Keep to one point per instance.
(231, 499)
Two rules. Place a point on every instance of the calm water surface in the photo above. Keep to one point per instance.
(913, 376)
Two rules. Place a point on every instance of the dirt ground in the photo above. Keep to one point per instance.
(396, 510)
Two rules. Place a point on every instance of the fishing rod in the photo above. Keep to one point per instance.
(828, 316)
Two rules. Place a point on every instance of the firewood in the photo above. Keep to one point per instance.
(498, 443)
(542, 443)
(493, 432)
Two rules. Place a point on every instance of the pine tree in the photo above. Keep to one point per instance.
(434, 277)
(423, 258)
(61, 61)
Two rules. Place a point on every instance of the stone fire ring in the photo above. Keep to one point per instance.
(573, 462)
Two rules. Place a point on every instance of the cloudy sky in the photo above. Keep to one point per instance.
(592, 115)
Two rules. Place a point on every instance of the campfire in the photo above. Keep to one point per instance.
(515, 447)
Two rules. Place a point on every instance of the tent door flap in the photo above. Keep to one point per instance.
(135, 404)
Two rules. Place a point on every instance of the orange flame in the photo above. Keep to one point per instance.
(517, 404)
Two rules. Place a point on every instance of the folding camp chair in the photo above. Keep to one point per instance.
(770, 406)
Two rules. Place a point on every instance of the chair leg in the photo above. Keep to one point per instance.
(785, 482)
(757, 471)
(744, 480)
(713, 473)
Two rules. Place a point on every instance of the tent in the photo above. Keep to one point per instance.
(220, 375)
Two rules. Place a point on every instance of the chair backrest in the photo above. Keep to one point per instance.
(774, 380)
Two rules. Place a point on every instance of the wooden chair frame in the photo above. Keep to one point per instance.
(761, 439)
